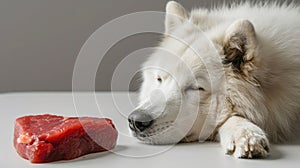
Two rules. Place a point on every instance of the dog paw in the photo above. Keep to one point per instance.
(247, 143)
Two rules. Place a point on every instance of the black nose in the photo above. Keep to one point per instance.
(139, 120)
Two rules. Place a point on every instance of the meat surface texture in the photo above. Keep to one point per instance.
(47, 138)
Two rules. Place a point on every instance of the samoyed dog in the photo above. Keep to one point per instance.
(229, 74)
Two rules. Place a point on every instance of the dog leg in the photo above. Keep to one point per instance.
(243, 139)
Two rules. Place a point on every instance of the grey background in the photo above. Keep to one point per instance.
(40, 40)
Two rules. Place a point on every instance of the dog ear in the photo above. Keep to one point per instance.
(240, 46)
(175, 15)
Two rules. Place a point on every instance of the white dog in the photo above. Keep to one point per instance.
(230, 74)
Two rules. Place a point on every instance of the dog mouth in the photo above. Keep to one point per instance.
(156, 130)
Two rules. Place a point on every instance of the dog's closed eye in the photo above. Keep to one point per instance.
(193, 88)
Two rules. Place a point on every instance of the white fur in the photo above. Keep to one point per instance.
(262, 100)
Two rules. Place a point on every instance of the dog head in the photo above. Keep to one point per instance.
(178, 91)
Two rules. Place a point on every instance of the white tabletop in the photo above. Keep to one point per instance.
(128, 152)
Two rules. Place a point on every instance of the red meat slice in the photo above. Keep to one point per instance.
(47, 138)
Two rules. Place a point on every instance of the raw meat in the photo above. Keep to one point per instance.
(47, 138)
